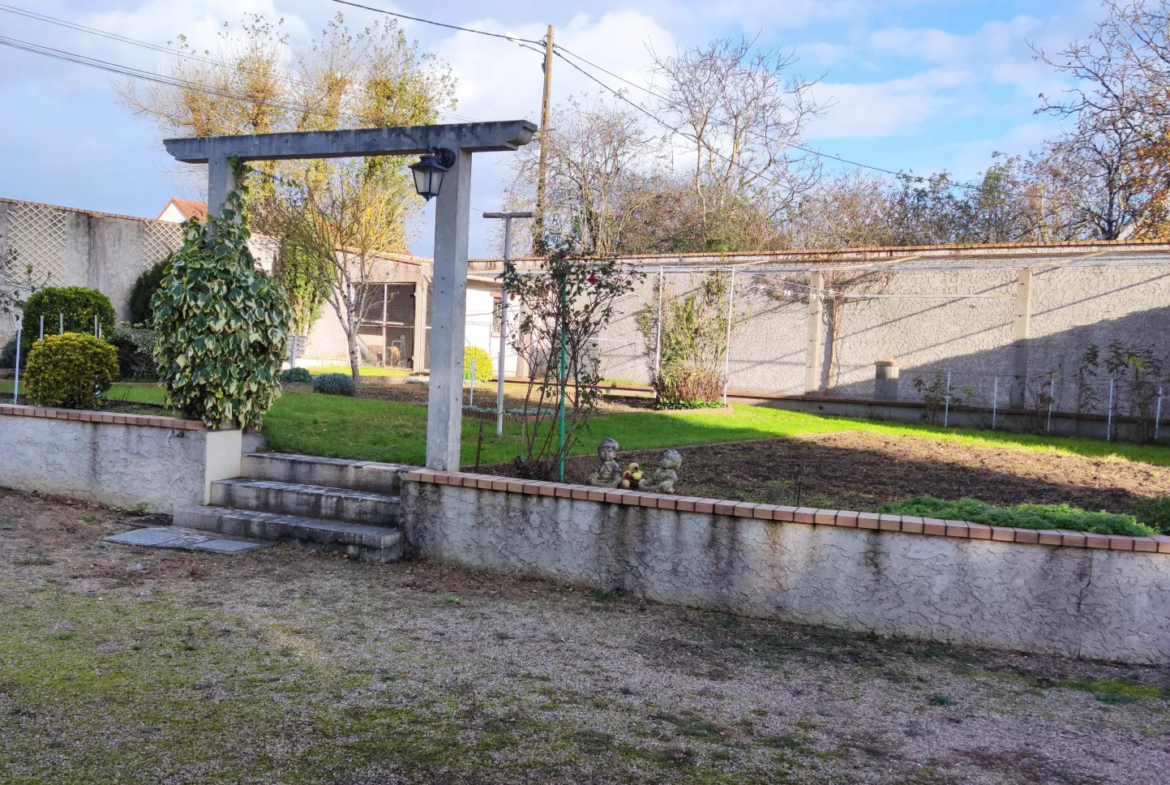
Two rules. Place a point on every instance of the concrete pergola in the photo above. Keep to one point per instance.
(452, 217)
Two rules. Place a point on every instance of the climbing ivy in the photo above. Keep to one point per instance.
(222, 325)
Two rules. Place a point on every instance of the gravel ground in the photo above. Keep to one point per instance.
(123, 665)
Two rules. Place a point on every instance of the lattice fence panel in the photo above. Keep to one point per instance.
(36, 241)
(159, 240)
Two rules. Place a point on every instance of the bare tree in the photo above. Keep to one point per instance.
(741, 117)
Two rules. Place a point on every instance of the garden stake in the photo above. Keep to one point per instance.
(1158, 414)
(947, 404)
(479, 445)
(42, 328)
(994, 401)
(61, 323)
(471, 393)
(1109, 420)
(658, 332)
(16, 383)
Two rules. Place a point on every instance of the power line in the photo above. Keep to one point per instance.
(436, 24)
(172, 52)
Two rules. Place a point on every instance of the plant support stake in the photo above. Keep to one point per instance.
(471, 392)
(1051, 399)
(564, 381)
(1158, 414)
(658, 331)
(42, 337)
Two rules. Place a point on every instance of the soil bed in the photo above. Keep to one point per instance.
(852, 470)
(124, 665)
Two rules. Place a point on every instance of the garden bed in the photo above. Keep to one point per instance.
(853, 470)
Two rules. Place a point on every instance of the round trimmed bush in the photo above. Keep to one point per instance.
(144, 288)
(335, 384)
(70, 371)
(483, 364)
(296, 376)
(76, 304)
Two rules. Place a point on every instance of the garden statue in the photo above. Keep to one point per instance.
(661, 479)
(607, 473)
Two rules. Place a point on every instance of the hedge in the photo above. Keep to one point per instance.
(1021, 516)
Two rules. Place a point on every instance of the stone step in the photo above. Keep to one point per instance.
(307, 501)
(328, 472)
(373, 543)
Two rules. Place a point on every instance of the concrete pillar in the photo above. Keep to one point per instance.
(420, 326)
(812, 358)
(885, 380)
(1021, 336)
(449, 304)
(221, 181)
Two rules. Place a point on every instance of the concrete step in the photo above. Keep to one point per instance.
(374, 543)
(307, 501)
(329, 472)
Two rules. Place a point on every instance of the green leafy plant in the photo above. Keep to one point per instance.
(70, 371)
(1141, 371)
(135, 347)
(8, 355)
(692, 333)
(1021, 516)
(304, 277)
(335, 384)
(143, 292)
(483, 364)
(222, 325)
(934, 397)
(75, 305)
(1154, 512)
(296, 376)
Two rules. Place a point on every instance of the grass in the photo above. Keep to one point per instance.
(371, 370)
(1023, 516)
(364, 429)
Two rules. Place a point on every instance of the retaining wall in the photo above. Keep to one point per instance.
(1065, 593)
(153, 463)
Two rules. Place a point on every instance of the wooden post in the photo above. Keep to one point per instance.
(538, 240)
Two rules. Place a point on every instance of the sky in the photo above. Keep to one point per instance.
(911, 85)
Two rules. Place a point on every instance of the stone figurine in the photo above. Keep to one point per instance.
(607, 473)
(661, 478)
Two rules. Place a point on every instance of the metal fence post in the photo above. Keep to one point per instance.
(1109, 416)
(61, 324)
(16, 384)
(1158, 414)
(658, 332)
(727, 352)
(42, 328)
(947, 405)
(994, 402)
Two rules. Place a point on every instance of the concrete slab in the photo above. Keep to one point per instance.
(179, 538)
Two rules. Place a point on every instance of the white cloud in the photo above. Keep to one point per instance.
(884, 108)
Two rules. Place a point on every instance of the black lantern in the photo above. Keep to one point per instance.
(428, 172)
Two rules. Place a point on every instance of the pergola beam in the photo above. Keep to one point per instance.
(410, 140)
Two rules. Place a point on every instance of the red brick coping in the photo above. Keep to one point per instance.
(774, 512)
(102, 417)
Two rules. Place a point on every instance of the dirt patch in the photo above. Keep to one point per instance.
(125, 665)
(863, 471)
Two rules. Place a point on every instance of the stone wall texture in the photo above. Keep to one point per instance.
(159, 467)
(1090, 603)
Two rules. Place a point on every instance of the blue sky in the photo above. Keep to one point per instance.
(914, 84)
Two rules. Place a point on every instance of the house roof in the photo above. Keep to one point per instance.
(190, 208)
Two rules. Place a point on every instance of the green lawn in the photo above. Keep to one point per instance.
(374, 430)
(366, 371)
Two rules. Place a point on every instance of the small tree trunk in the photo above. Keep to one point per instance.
(355, 364)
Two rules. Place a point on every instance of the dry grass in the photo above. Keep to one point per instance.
(121, 665)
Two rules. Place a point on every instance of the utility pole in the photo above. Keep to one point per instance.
(508, 218)
(538, 239)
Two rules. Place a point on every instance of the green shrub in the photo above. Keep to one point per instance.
(1154, 512)
(335, 384)
(144, 288)
(8, 355)
(296, 376)
(76, 304)
(483, 364)
(135, 347)
(70, 371)
(1021, 516)
(222, 325)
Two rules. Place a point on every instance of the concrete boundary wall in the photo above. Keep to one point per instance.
(1066, 593)
(158, 464)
